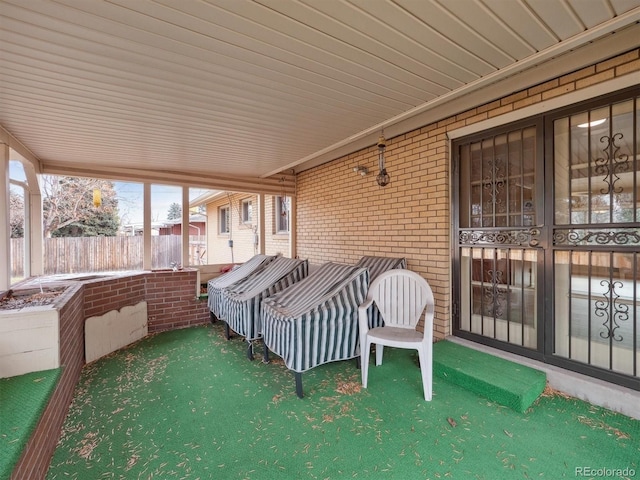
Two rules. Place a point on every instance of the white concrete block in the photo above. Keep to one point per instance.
(113, 330)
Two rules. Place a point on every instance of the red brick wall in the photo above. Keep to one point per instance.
(171, 304)
(171, 301)
(102, 296)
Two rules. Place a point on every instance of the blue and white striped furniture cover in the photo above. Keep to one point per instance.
(215, 286)
(315, 321)
(377, 265)
(242, 300)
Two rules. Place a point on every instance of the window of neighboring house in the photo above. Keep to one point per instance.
(224, 220)
(247, 211)
(282, 214)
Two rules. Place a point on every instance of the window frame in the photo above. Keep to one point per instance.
(277, 215)
(246, 209)
(224, 220)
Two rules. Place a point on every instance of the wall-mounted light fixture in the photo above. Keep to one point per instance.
(360, 170)
(383, 178)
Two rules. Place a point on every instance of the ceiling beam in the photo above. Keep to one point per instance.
(279, 184)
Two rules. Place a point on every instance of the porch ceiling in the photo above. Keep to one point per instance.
(245, 89)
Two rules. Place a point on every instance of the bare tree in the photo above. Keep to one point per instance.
(68, 201)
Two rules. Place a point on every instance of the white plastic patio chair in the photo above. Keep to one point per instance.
(401, 296)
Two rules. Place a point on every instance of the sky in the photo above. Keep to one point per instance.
(130, 197)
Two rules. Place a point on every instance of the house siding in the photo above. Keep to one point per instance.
(342, 216)
(242, 233)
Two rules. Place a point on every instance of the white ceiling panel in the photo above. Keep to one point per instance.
(599, 11)
(485, 23)
(439, 18)
(249, 88)
(559, 16)
(533, 31)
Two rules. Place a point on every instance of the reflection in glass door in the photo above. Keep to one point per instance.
(500, 302)
(548, 265)
(498, 236)
(596, 237)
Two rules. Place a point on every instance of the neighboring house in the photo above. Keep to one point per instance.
(197, 226)
(233, 228)
(137, 229)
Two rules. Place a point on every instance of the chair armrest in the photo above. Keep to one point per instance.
(367, 303)
(363, 317)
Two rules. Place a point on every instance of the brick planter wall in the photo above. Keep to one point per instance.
(102, 296)
(171, 304)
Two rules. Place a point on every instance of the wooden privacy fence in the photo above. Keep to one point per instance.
(95, 254)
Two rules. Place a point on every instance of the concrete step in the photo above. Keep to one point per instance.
(504, 382)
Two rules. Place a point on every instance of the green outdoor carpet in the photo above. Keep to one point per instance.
(507, 383)
(22, 400)
(188, 404)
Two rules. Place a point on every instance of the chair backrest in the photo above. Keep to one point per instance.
(401, 297)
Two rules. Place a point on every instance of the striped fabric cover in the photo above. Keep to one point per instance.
(376, 266)
(215, 286)
(242, 300)
(315, 321)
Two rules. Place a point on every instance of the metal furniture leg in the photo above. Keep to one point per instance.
(266, 354)
(298, 384)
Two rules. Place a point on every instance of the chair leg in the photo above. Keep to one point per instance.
(250, 350)
(298, 376)
(426, 370)
(212, 317)
(227, 333)
(364, 363)
(379, 352)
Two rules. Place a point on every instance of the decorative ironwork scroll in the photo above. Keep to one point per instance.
(611, 164)
(500, 237)
(494, 182)
(629, 236)
(495, 297)
(612, 310)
